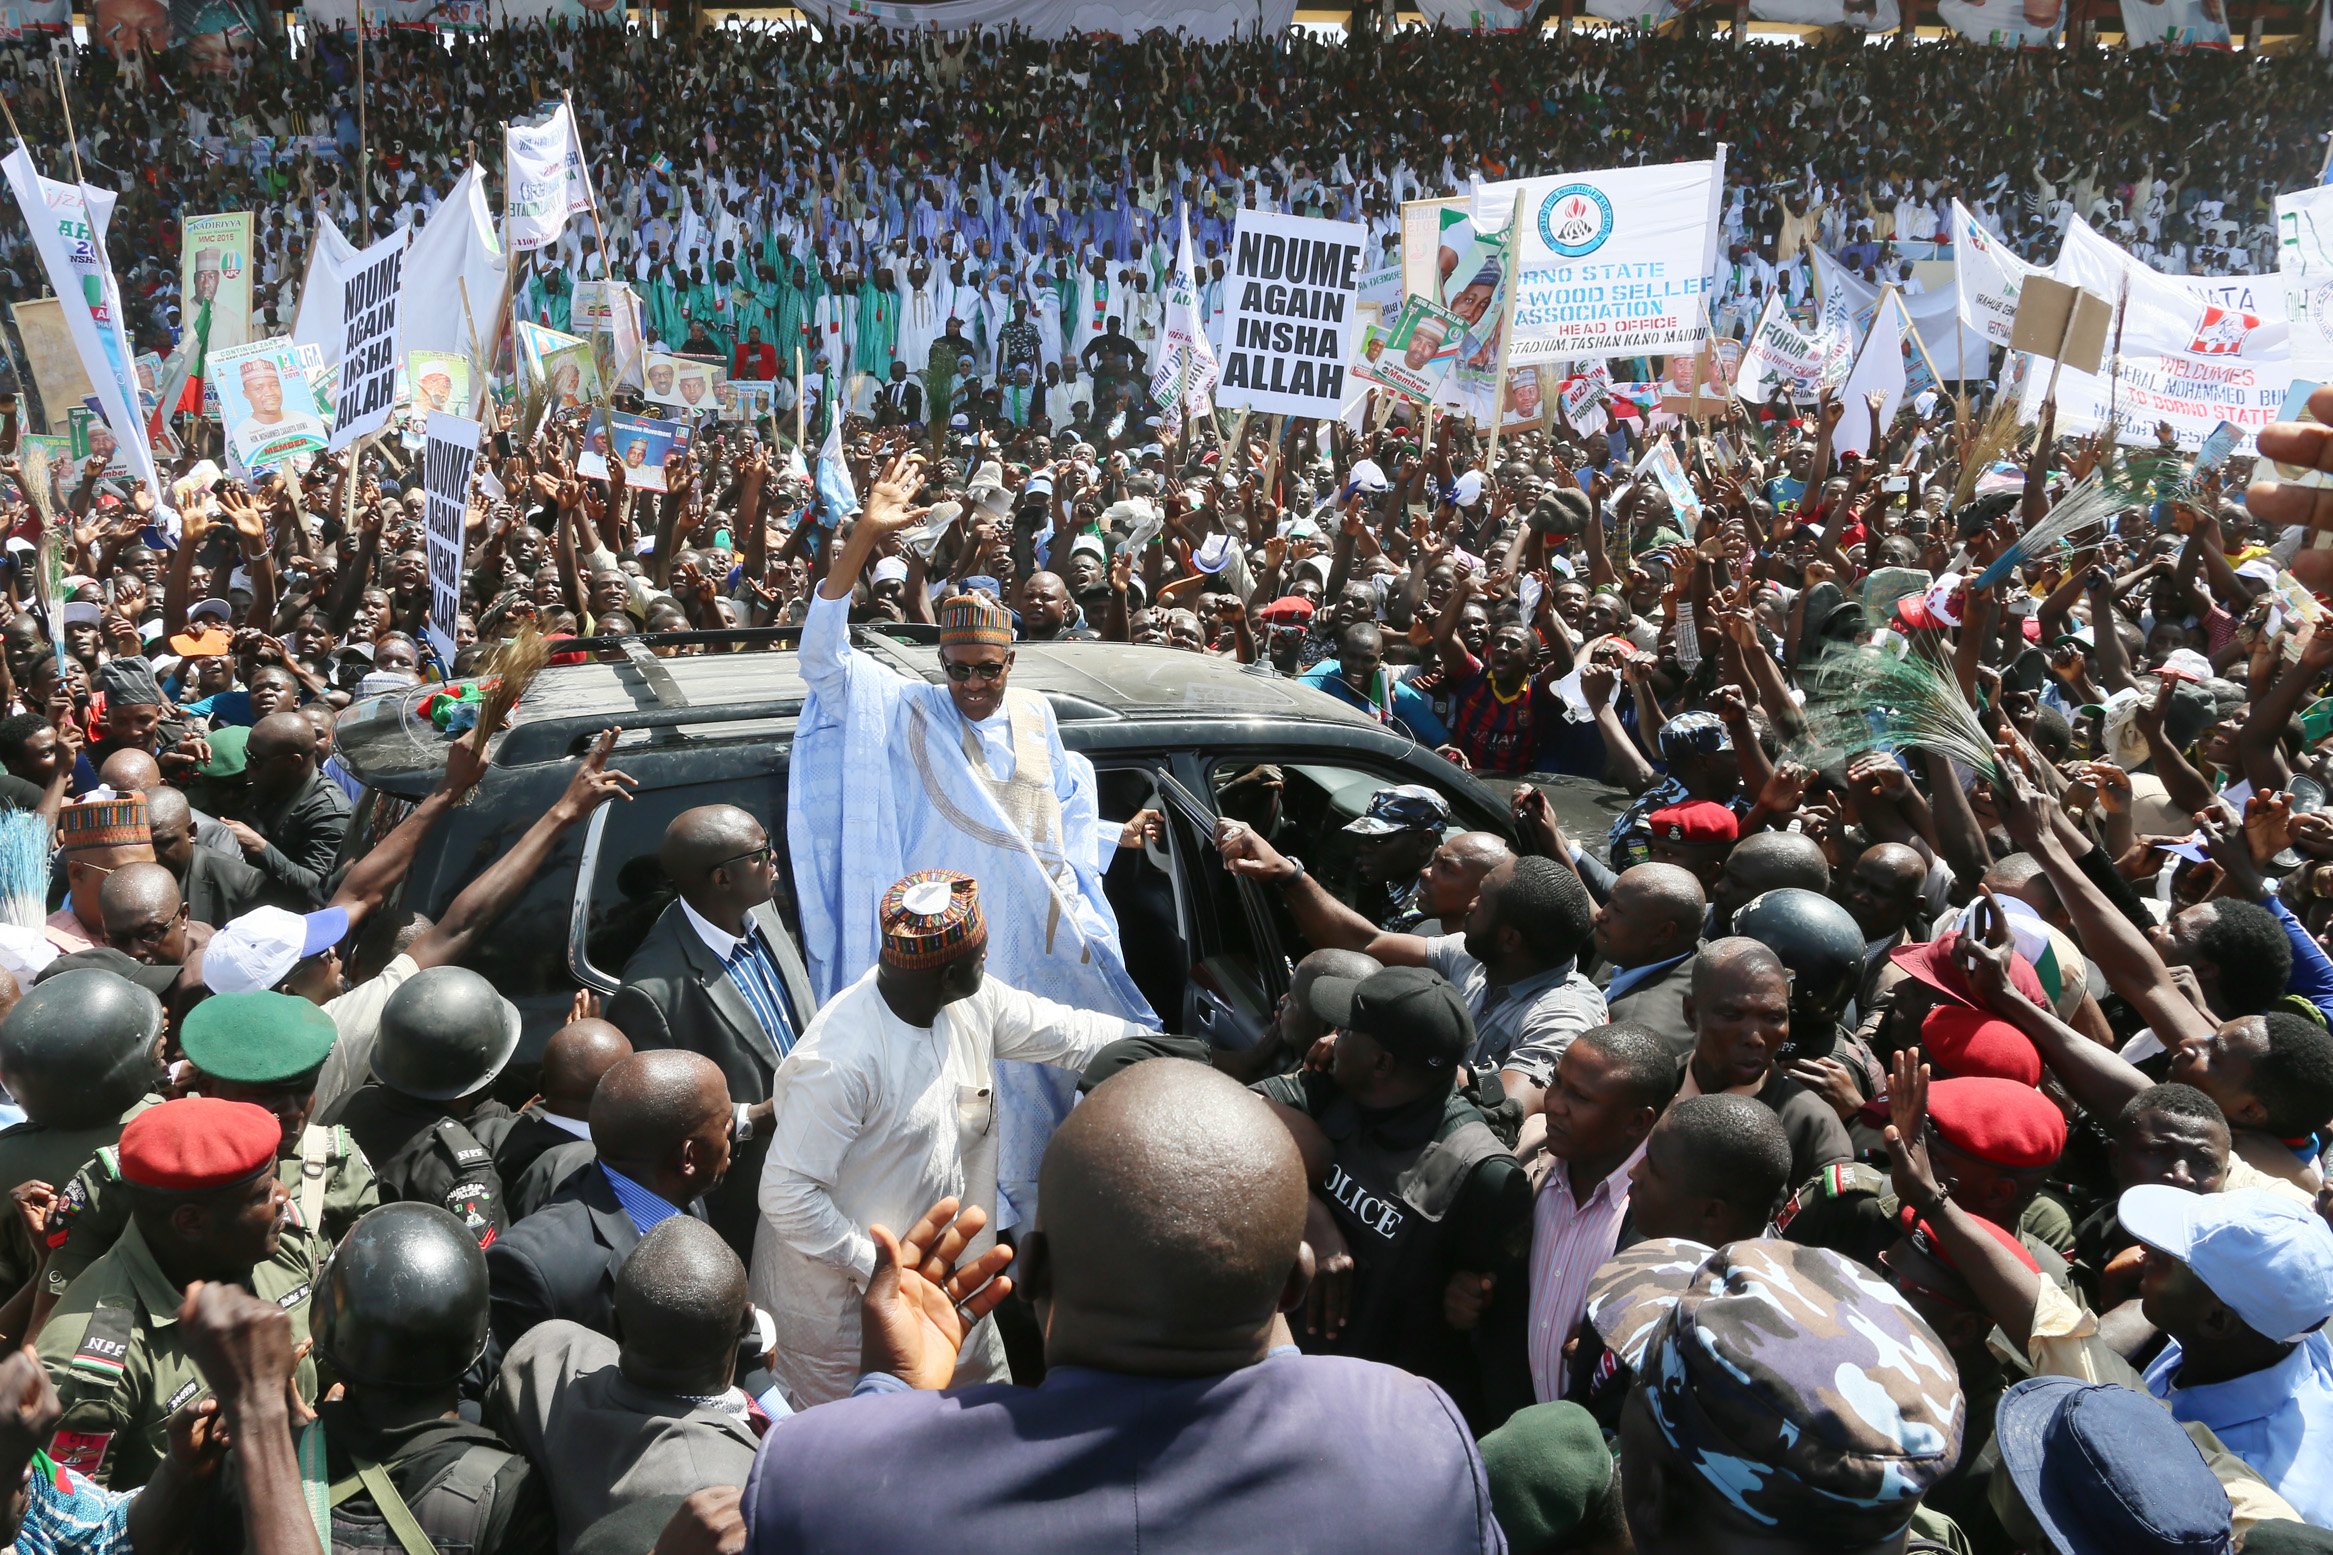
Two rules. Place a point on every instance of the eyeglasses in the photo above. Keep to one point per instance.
(760, 855)
(991, 669)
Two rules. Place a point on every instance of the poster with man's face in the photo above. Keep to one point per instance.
(1415, 353)
(267, 404)
(91, 437)
(681, 382)
(638, 443)
(215, 268)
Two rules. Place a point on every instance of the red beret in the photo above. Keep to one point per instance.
(1966, 1042)
(199, 1143)
(1997, 1121)
(1696, 820)
(1923, 1236)
(1932, 962)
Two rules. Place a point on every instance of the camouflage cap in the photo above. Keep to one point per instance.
(1802, 1389)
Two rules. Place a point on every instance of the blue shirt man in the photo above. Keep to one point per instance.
(1389, 701)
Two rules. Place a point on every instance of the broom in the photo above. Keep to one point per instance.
(24, 868)
(1995, 436)
(1869, 700)
(507, 673)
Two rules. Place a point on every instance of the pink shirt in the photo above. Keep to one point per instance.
(1570, 1241)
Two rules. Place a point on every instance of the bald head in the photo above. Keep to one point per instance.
(1172, 1212)
(646, 1106)
(1768, 861)
(127, 770)
(1479, 850)
(166, 808)
(701, 840)
(1654, 914)
(281, 734)
(575, 1059)
(680, 1309)
(1728, 963)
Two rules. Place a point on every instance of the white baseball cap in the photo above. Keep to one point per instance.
(258, 950)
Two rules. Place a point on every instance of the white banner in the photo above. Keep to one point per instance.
(2304, 259)
(1860, 15)
(1613, 263)
(2010, 24)
(330, 258)
(1478, 15)
(1289, 314)
(1211, 21)
(547, 180)
(1183, 369)
(1779, 358)
(1849, 304)
(455, 267)
(1878, 369)
(18, 18)
(449, 451)
(2178, 24)
(372, 341)
(68, 224)
(1988, 277)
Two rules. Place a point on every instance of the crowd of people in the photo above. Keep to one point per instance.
(870, 197)
(1898, 1124)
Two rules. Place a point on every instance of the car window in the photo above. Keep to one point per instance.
(1152, 928)
(628, 890)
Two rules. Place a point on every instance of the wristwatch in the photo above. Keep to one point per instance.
(1297, 866)
(741, 1124)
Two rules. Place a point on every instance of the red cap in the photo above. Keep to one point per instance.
(199, 1143)
(1923, 1236)
(1287, 610)
(1997, 1121)
(1966, 1042)
(1696, 820)
(1931, 961)
(1912, 611)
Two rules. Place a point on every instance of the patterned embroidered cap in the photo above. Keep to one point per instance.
(1804, 1391)
(118, 821)
(975, 619)
(930, 919)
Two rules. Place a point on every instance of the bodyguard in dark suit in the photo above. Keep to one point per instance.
(719, 975)
(1647, 932)
(662, 1122)
(551, 1138)
(216, 888)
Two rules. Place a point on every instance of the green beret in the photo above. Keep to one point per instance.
(229, 748)
(256, 1038)
(1547, 1468)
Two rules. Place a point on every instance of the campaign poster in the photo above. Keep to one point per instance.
(1611, 263)
(1433, 232)
(746, 400)
(1290, 319)
(1414, 354)
(681, 382)
(437, 382)
(266, 403)
(89, 436)
(638, 443)
(561, 363)
(214, 263)
(1523, 407)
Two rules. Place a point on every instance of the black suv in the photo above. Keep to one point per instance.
(1211, 952)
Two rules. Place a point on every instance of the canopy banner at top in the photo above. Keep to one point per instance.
(457, 15)
(1210, 21)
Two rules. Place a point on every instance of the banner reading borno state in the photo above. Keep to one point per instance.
(1614, 263)
(1289, 314)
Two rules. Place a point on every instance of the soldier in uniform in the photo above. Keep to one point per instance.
(262, 1048)
(1991, 1140)
(400, 1315)
(81, 1053)
(205, 1204)
(424, 1120)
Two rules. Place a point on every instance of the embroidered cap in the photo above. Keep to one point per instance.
(116, 822)
(930, 919)
(975, 619)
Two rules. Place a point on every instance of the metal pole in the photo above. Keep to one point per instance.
(364, 193)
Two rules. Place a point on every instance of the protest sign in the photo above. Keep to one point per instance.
(68, 224)
(561, 363)
(214, 260)
(1415, 354)
(449, 451)
(1289, 324)
(1183, 369)
(2175, 24)
(640, 444)
(544, 164)
(2304, 261)
(681, 382)
(1611, 262)
(49, 355)
(1987, 277)
(1700, 383)
(1582, 402)
(1779, 359)
(457, 263)
(266, 403)
(1423, 223)
(372, 306)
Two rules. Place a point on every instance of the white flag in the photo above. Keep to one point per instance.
(543, 166)
(68, 228)
(1988, 276)
(2304, 257)
(1779, 359)
(1878, 370)
(1183, 369)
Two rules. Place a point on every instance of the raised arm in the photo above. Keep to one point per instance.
(1325, 922)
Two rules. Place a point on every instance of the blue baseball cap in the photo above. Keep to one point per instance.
(2268, 1258)
(1408, 807)
(2104, 1468)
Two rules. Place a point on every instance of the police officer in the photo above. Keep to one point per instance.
(263, 1048)
(205, 1204)
(424, 1121)
(1416, 1185)
(400, 1315)
(81, 1053)
(1991, 1141)
(1817, 941)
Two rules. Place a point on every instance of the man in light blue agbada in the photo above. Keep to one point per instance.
(892, 773)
